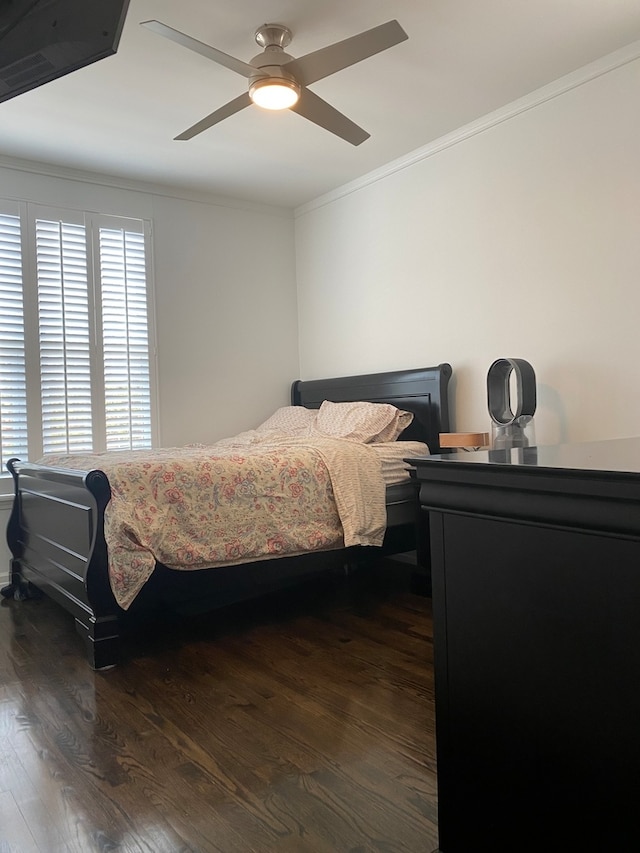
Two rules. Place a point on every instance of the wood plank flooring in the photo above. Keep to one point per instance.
(300, 723)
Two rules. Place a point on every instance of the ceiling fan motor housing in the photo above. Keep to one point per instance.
(270, 65)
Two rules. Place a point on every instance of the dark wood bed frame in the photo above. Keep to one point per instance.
(55, 531)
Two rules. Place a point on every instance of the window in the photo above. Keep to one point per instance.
(75, 351)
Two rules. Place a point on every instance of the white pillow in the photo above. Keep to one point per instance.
(362, 421)
(292, 420)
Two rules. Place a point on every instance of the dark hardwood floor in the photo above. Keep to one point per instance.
(300, 723)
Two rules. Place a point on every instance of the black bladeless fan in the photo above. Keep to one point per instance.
(511, 428)
(278, 81)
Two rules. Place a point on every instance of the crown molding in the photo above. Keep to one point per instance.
(66, 173)
(561, 86)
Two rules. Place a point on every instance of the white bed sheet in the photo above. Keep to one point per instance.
(392, 455)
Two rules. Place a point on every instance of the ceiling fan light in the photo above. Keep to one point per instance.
(275, 94)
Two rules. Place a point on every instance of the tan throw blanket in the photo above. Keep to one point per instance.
(205, 506)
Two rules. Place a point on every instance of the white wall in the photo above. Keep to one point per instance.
(518, 238)
(226, 317)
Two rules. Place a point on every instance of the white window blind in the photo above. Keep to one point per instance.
(125, 339)
(75, 353)
(13, 387)
(65, 346)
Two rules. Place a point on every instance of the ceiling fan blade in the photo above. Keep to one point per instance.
(312, 107)
(314, 66)
(200, 47)
(227, 110)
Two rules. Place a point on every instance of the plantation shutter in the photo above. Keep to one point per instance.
(76, 333)
(125, 338)
(13, 390)
(65, 342)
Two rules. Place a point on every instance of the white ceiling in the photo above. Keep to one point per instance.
(462, 60)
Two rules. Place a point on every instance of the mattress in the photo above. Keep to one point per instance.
(392, 455)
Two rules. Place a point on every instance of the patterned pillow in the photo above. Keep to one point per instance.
(396, 427)
(362, 421)
(292, 420)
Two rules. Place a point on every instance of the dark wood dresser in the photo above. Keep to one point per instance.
(536, 599)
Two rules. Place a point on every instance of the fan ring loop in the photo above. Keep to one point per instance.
(498, 391)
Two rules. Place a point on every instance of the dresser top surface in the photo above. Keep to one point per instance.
(620, 456)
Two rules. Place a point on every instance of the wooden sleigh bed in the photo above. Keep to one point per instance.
(56, 528)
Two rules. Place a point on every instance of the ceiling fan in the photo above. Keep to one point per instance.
(278, 81)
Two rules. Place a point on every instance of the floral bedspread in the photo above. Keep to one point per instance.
(205, 506)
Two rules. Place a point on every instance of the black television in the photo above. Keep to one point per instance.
(41, 40)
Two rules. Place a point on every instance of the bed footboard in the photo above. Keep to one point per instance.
(56, 539)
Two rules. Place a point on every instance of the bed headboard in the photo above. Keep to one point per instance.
(423, 391)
